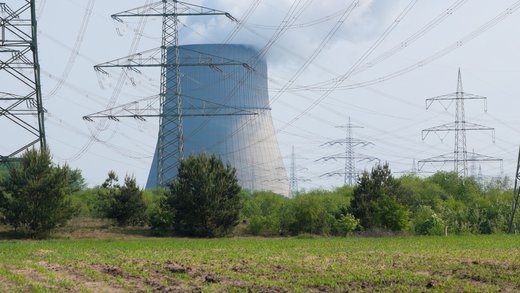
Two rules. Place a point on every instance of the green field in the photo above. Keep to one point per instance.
(458, 263)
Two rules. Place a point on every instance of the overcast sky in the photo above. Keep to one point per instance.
(376, 64)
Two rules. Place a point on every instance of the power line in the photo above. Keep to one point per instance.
(104, 124)
(340, 80)
(75, 50)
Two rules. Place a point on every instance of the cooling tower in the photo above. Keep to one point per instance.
(224, 90)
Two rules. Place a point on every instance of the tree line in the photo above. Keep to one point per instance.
(205, 200)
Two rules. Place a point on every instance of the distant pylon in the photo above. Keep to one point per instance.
(293, 181)
(459, 157)
(294, 178)
(473, 168)
(350, 156)
(414, 168)
(20, 90)
(350, 164)
(480, 177)
(460, 153)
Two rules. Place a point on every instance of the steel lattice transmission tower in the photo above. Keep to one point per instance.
(20, 91)
(293, 176)
(293, 180)
(516, 196)
(460, 126)
(171, 140)
(350, 156)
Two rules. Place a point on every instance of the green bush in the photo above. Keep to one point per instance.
(4, 172)
(346, 224)
(85, 203)
(390, 214)
(123, 203)
(262, 212)
(427, 222)
(316, 212)
(313, 213)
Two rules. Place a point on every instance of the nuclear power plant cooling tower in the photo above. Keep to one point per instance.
(225, 112)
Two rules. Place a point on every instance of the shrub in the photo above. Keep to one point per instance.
(262, 211)
(314, 213)
(427, 222)
(124, 204)
(346, 224)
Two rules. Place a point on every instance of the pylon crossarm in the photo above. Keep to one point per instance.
(357, 156)
(149, 58)
(362, 157)
(147, 107)
(450, 158)
(9, 97)
(481, 158)
(453, 126)
(437, 159)
(352, 141)
(153, 58)
(156, 9)
(200, 107)
(325, 159)
(454, 96)
(150, 107)
(333, 173)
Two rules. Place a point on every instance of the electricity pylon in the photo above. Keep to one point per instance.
(460, 156)
(480, 177)
(293, 176)
(293, 180)
(350, 155)
(20, 91)
(516, 196)
(171, 140)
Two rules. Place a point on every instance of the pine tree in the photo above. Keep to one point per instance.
(204, 199)
(376, 200)
(35, 195)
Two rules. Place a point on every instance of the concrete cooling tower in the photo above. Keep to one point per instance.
(229, 84)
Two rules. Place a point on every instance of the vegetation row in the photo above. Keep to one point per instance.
(205, 200)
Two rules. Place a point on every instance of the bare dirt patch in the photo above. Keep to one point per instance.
(6, 285)
(76, 276)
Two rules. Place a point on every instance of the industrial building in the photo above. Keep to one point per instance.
(225, 105)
